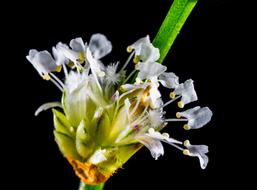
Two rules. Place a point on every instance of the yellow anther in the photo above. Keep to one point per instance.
(172, 95)
(186, 143)
(186, 152)
(82, 57)
(166, 135)
(72, 129)
(180, 104)
(178, 115)
(186, 127)
(58, 68)
(46, 77)
(129, 49)
(122, 88)
(136, 59)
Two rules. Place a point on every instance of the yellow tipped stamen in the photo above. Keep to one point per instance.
(122, 88)
(82, 57)
(186, 127)
(166, 135)
(172, 95)
(46, 77)
(129, 49)
(186, 152)
(58, 68)
(180, 104)
(136, 59)
(186, 143)
(178, 115)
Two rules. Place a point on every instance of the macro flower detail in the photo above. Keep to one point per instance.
(106, 115)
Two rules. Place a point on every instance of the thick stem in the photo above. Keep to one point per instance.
(83, 186)
(172, 24)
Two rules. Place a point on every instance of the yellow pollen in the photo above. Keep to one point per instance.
(46, 77)
(81, 57)
(58, 68)
(186, 152)
(178, 115)
(122, 88)
(172, 95)
(186, 143)
(136, 59)
(180, 104)
(129, 49)
(186, 127)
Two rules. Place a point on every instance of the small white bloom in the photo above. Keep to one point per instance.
(148, 70)
(59, 57)
(197, 151)
(100, 46)
(155, 146)
(197, 117)
(187, 91)
(145, 50)
(67, 52)
(169, 80)
(43, 62)
(78, 45)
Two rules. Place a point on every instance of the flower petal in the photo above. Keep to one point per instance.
(169, 80)
(187, 91)
(155, 146)
(197, 117)
(77, 45)
(158, 136)
(150, 69)
(42, 61)
(100, 46)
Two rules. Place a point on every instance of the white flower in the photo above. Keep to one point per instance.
(144, 50)
(148, 70)
(198, 151)
(187, 91)
(197, 117)
(169, 80)
(43, 62)
(155, 146)
(99, 46)
(103, 118)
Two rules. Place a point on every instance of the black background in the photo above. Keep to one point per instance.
(206, 51)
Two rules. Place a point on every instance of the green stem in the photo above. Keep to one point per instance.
(172, 24)
(83, 186)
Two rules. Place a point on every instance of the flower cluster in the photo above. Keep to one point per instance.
(105, 115)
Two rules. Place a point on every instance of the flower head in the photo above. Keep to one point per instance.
(105, 117)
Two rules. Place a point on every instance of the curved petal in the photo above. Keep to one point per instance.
(100, 46)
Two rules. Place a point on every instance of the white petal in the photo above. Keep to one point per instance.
(68, 53)
(59, 57)
(99, 46)
(98, 156)
(42, 61)
(169, 80)
(74, 80)
(150, 69)
(47, 106)
(200, 152)
(136, 45)
(155, 95)
(94, 65)
(77, 45)
(197, 117)
(155, 146)
(187, 91)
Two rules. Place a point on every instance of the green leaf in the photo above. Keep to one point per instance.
(172, 24)
(83, 186)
